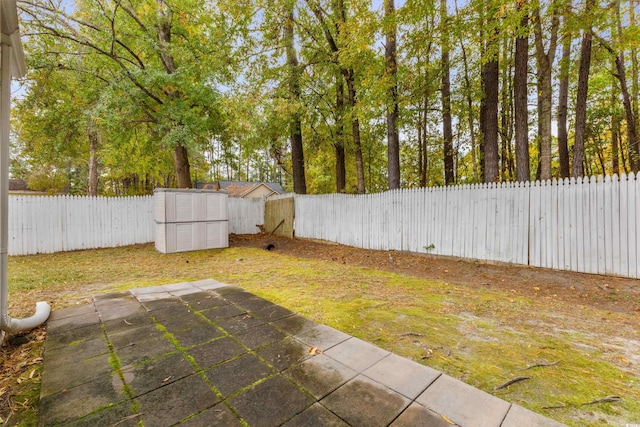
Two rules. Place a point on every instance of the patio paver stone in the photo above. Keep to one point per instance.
(203, 353)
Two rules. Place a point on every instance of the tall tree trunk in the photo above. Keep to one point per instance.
(506, 110)
(621, 74)
(445, 88)
(393, 143)
(426, 103)
(544, 62)
(180, 155)
(355, 130)
(92, 134)
(489, 107)
(615, 135)
(635, 71)
(491, 82)
(563, 99)
(426, 106)
(520, 89)
(348, 74)
(483, 99)
(341, 174)
(182, 167)
(295, 123)
(599, 153)
(632, 136)
(483, 130)
(423, 114)
(623, 159)
(470, 114)
(581, 97)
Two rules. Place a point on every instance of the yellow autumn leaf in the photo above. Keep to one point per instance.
(315, 350)
(447, 420)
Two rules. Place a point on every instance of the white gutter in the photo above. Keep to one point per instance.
(11, 59)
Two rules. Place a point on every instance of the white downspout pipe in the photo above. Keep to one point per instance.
(8, 324)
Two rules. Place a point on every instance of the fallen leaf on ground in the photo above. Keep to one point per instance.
(447, 420)
(315, 350)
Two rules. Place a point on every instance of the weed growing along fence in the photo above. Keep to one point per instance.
(590, 225)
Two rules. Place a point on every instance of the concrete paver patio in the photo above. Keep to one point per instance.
(205, 353)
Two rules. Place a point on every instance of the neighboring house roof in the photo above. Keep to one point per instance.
(242, 188)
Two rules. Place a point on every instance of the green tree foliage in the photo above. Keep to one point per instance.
(158, 66)
(195, 90)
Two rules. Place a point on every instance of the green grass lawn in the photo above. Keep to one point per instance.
(484, 337)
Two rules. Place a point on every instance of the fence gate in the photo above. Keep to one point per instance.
(278, 216)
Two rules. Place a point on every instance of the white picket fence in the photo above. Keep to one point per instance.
(245, 214)
(590, 225)
(45, 224)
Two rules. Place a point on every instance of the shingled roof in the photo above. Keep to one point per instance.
(240, 188)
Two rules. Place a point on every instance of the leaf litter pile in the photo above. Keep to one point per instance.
(20, 369)
(562, 344)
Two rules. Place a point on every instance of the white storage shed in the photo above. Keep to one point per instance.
(190, 220)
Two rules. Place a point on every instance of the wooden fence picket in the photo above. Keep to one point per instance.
(633, 225)
(587, 224)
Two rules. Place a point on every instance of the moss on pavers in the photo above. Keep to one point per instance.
(222, 312)
(77, 402)
(237, 374)
(221, 365)
(215, 352)
(156, 373)
(72, 336)
(171, 312)
(200, 333)
(172, 403)
(138, 319)
(133, 334)
(145, 350)
(259, 336)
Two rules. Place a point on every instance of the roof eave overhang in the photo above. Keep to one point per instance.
(10, 30)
